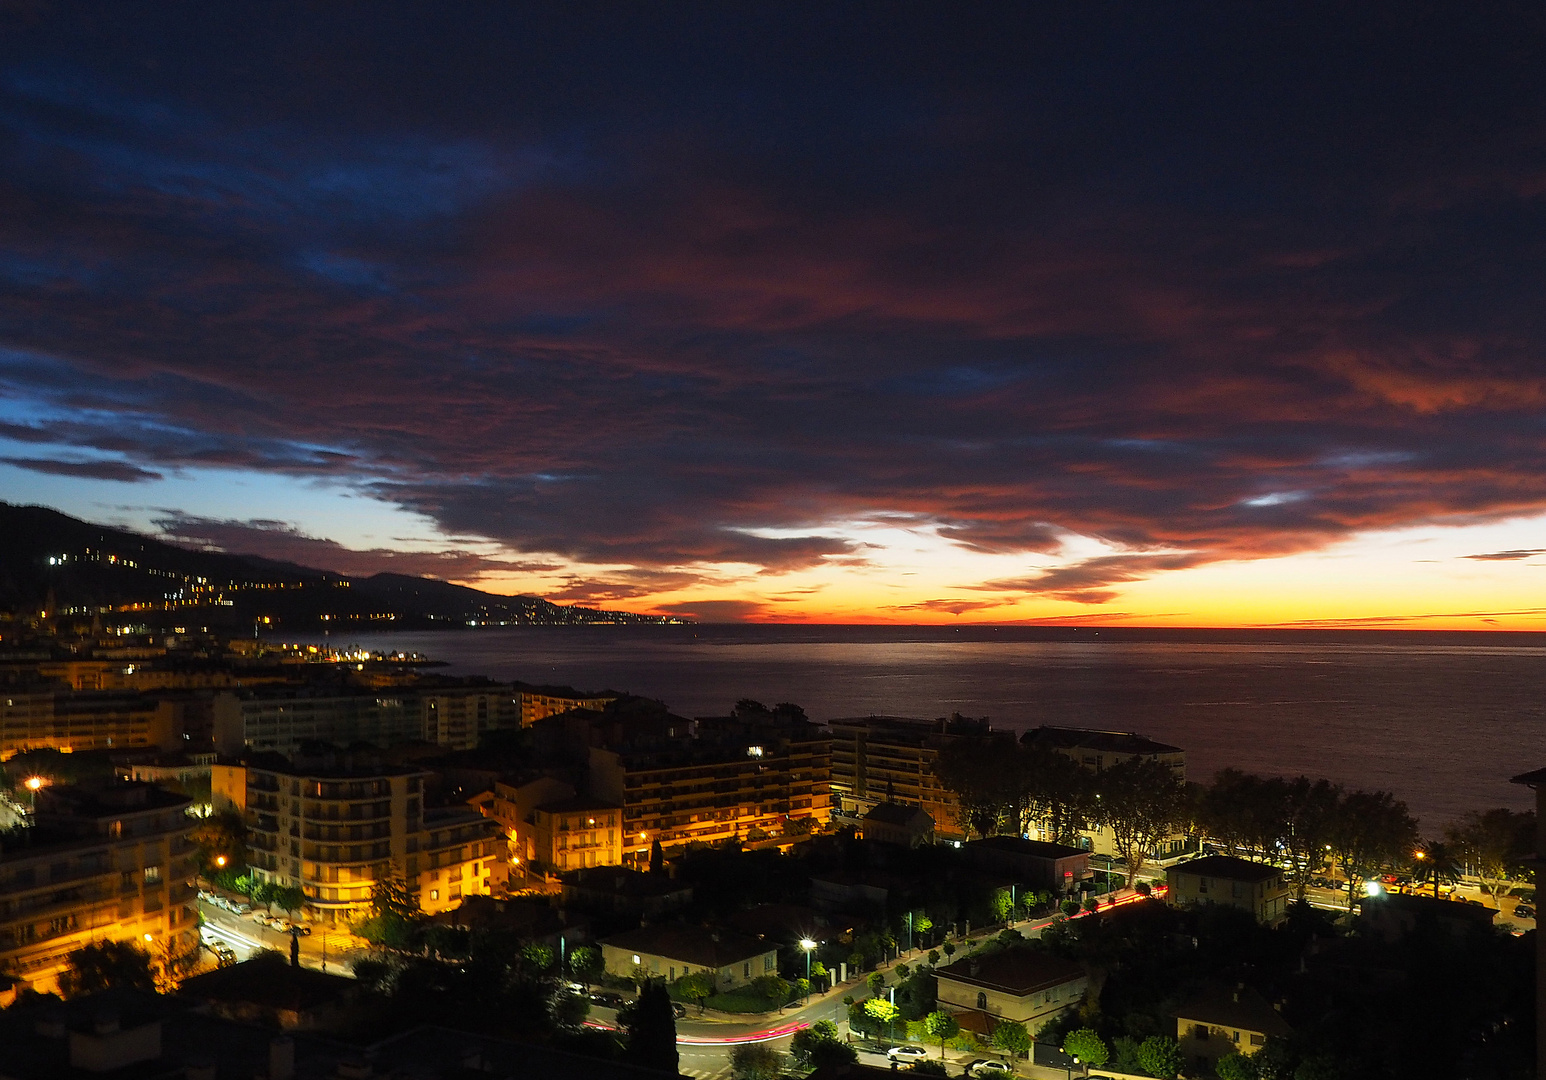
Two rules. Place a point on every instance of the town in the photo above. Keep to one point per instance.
(232, 856)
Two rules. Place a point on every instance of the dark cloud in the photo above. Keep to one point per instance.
(717, 611)
(1508, 556)
(91, 470)
(624, 289)
(282, 541)
(1085, 582)
(953, 607)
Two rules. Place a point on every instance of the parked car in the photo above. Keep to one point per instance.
(261, 918)
(1524, 911)
(281, 926)
(678, 1010)
(991, 1068)
(907, 1053)
(241, 909)
(607, 998)
(1524, 893)
(303, 929)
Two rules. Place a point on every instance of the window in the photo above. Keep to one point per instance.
(982, 1001)
(1200, 1032)
(1202, 885)
(767, 962)
(1258, 1040)
(746, 971)
(434, 894)
(152, 875)
(1234, 1036)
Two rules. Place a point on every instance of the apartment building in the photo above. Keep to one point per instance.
(540, 702)
(74, 721)
(729, 778)
(890, 759)
(458, 716)
(335, 826)
(1099, 750)
(108, 864)
(552, 828)
(283, 719)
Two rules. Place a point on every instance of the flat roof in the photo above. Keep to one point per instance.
(695, 945)
(1228, 867)
(1019, 845)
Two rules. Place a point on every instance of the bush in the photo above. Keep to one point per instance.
(1069, 907)
(1235, 1066)
(1143, 888)
(1087, 1046)
(1160, 1055)
(755, 1061)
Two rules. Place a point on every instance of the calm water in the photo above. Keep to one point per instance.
(1441, 719)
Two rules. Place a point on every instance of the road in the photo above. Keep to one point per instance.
(327, 951)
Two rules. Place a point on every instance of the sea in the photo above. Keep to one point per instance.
(1440, 719)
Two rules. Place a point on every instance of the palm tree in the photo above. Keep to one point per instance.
(1434, 862)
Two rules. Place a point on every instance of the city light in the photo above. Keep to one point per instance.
(220, 860)
(35, 782)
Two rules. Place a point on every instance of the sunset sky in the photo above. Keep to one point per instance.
(1154, 315)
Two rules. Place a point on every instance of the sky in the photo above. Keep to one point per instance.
(1226, 315)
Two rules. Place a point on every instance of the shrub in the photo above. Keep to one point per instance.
(1160, 1055)
(1087, 1046)
(755, 1061)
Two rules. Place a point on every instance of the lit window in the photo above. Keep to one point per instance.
(152, 875)
(434, 894)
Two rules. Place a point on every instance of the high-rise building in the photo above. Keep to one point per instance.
(335, 826)
(880, 759)
(74, 721)
(283, 719)
(729, 778)
(108, 864)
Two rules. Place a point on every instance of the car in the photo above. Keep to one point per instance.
(992, 1068)
(678, 1010)
(281, 926)
(607, 998)
(1524, 911)
(303, 929)
(241, 909)
(1525, 894)
(578, 988)
(907, 1053)
(262, 918)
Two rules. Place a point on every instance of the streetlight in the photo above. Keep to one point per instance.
(220, 861)
(807, 944)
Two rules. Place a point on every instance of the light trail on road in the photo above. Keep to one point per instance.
(767, 1035)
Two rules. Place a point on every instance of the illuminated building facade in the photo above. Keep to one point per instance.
(113, 864)
(881, 759)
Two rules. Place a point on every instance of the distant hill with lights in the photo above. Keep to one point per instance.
(51, 561)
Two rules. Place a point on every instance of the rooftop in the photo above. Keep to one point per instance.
(1014, 971)
(270, 981)
(1240, 1007)
(695, 945)
(1229, 868)
(1019, 845)
(897, 814)
(577, 803)
(619, 879)
(1113, 742)
(1531, 779)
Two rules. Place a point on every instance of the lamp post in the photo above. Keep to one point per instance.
(807, 945)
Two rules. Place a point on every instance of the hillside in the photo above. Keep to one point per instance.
(51, 560)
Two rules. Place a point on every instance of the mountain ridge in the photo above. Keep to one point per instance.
(52, 562)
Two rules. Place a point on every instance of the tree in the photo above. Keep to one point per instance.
(876, 981)
(922, 924)
(1435, 863)
(882, 1012)
(974, 771)
(1011, 1037)
(1372, 831)
(570, 1010)
(290, 898)
(755, 1061)
(1494, 845)
(657, 857)
(942, 1026)
(586, 964)
(696, 986)
(1236, 1066)
(933, 957)
(394, 919)
(1140, 802)
(221, 836)
(819, 974)
(1313, 809)
(1160, 1055)
(649, 1025)
(950, 949)
(812, 1047)
(772, 989)
(537, 957)
(106, 965)
(1086, 1045)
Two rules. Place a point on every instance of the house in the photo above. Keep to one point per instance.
(669, 952)
(266, 990)
(525, 918)
(1026, 985)
(857, 888)
(1056, 867)
(893, 823)
(1394, 916)
(1221, 1023)
(1224, 879)
(619, 890)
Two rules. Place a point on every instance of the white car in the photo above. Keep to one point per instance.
(280, 925)
(992, 1068)
(907, 1053)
